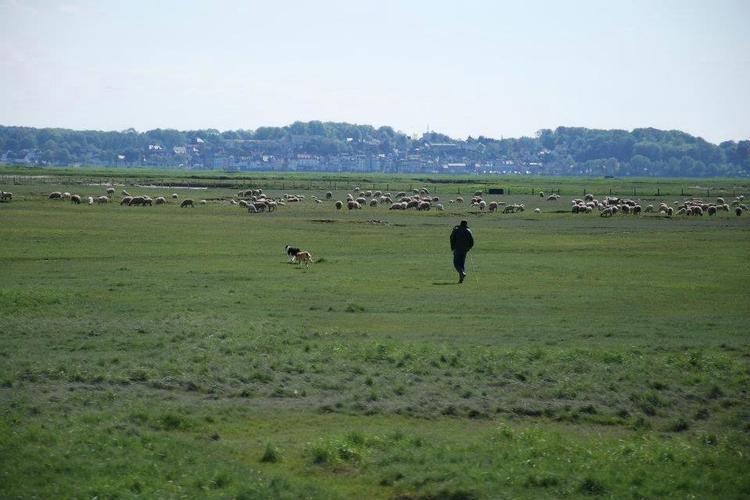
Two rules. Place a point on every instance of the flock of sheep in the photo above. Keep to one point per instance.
(256, 201)
(610, 206)
(127, 199)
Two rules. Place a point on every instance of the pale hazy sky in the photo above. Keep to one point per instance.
(493, 68)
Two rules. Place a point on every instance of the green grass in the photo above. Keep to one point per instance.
(167, 352)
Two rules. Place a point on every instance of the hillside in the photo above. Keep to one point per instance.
(318, 146)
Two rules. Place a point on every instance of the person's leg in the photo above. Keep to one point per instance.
(459, 261)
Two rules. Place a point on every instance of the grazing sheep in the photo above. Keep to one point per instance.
(424, 205)
(101, 200)
(439, 207)
(374, 202)
(174, 196)
(5, 195)
(90, 200)
(339, 205)
(351, 204)
(541, 194)
(56, 195)
(738, 211)
(349, 197)
(251, 209)
(607, 212)
(649, 209)
(637, 210)
(538, 210)
(482, 205)
(670, 211)
(125, 200)
(160, 200)
(110, 191)
(147, 200)
(720, 201)
(203, 202)
(243, 203)
(552, 197)
(76, 199)
(234, 202)
(712, 210)
(492, 206)
(329, 195)
(186, 203)
(137, 200)
(589, 197)
(459, 200)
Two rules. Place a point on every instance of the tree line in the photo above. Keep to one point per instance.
(562, 151)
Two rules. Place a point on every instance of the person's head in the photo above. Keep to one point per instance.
(464, 223)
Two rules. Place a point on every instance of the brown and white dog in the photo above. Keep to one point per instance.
(305, 257)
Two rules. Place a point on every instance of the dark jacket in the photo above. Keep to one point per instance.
(461, 239)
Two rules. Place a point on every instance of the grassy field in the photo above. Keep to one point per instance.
(161, 352)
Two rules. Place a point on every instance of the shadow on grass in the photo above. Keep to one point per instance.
(442, 283)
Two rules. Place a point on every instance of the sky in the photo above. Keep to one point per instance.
(470, 68)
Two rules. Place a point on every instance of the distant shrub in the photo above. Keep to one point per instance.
(220, 480)
(170, 422)
(591, 486)
(679, 425)
(271, 454)
(541, 481)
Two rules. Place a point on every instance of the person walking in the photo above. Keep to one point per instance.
(461, 242)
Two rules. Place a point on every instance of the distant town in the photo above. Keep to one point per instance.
(342, 147)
